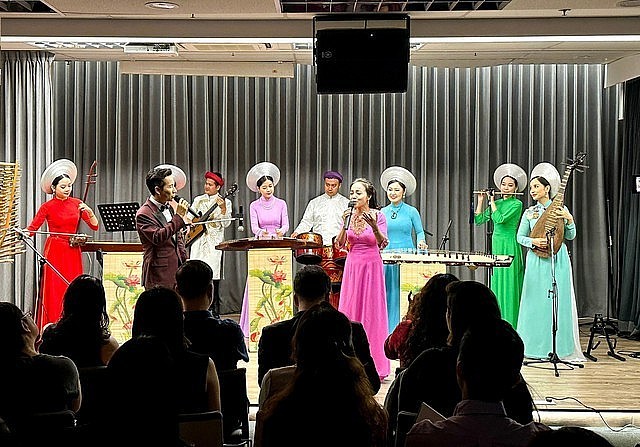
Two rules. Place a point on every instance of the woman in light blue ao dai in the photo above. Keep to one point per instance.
(403, 221)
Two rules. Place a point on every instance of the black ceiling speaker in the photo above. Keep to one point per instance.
(361, 53)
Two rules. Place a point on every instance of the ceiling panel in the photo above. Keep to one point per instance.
(191, 26)
(187, 8)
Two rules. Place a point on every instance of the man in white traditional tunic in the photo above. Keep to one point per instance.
(203, 248)
(324, 215)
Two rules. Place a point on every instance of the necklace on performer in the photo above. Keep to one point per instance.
(263, 201)
(395, 211)
(358, 224)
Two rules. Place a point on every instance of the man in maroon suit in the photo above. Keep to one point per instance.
(159, 229)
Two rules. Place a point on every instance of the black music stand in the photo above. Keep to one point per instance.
(119, 216)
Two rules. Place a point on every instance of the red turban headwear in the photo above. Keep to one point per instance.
(216, 178)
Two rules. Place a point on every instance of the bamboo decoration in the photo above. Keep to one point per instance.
(10, 242)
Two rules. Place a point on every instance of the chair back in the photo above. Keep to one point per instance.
(48, 428)
(235, 406)
(95, 393)
(201, 429)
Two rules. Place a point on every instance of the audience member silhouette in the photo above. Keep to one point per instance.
(431, 377)
(145, 384)
(220, 339)
(158, 313)
(566, 436)
(82, 332)
(30, 382)
(311, 286)
(328, 401)
(425, 325)
(480, 418)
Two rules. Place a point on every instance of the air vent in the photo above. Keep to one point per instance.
(55, 45)
(143, 48)
(24, 6)
(305, 6)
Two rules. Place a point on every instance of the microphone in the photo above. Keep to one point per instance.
(241, 217)
(352, 203)
(177, 199)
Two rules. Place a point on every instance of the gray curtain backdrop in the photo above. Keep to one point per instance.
(27, 137)
(452, 128)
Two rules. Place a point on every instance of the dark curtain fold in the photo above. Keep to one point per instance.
(629, 211)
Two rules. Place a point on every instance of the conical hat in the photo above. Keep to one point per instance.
(178, 175)
(402, 175)
(549, 172)
(513, 171)
(58, 167)
(260, 170)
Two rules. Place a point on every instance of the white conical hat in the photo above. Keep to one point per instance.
(260, 170)
(402, 175)
(550, 173)
(513, 171)
(178, 175)
(58, 167)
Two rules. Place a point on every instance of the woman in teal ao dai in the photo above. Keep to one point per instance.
(506, 282)
(535, 320)
(403, 221)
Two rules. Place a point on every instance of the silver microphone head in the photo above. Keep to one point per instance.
(352, 203)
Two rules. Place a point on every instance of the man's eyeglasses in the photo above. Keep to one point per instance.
(27, 315)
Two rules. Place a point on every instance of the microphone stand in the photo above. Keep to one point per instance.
(42, 260)
(553, 294)
(445, 238)
(488, 241)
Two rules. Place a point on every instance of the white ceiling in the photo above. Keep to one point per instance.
(211, 31)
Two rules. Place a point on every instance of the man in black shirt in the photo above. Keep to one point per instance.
(310, 286)
(221, 339)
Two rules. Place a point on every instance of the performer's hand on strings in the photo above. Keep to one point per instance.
(83, 207)
(222, 204)
(540, 242)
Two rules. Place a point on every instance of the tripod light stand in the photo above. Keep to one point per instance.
(605, 326)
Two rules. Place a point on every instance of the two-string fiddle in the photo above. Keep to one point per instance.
(79, 238)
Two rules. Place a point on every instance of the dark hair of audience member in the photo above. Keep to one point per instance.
(329, 381)
(193, 278)
(569, 436)
(468, 302)
(490, 380)
(11, 340)
(83, 326)
(428, 316)
(158, 312)
(311, 283)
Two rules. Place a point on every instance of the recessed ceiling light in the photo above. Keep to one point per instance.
(161, 5)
